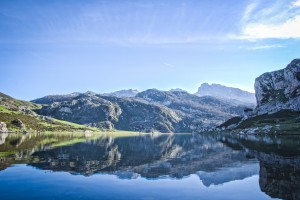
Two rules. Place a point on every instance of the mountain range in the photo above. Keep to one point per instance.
(148, 111)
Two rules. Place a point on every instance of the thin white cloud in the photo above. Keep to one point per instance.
(168, 65)
(277, 21)
(296, 3)
(248, 12)
(285, 30)
(265, 47)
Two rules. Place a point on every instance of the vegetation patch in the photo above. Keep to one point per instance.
(286, 121)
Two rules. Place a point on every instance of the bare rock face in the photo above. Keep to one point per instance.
(279, 90)
(3, 127)
(228, 93)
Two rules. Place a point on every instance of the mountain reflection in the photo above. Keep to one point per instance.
(216, 159)
(149, 156)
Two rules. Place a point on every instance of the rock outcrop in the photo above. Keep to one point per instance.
(279, 90)
(3, 127)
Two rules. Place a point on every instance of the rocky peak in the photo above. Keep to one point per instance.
(279, 89)
(224, 92)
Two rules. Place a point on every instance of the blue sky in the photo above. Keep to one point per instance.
(64, 46)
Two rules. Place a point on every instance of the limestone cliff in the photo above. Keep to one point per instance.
(278, 103)
(279, 90)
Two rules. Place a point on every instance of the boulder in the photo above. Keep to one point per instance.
(3, 127)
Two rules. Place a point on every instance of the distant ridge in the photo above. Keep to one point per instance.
(123, 93)
(226, 93)
(177, 90)
(53, 98)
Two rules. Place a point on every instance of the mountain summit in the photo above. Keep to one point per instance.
(226, 93)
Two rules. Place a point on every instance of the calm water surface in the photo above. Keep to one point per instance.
(167, 166)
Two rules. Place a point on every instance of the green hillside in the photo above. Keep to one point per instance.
(19, 116)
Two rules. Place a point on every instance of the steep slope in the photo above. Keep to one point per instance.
(228, 93)
(279, 89)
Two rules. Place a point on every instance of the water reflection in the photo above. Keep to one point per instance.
(279, 162)
(175, 156)
(215, 159)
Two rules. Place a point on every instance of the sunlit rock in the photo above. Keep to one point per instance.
(279, 90)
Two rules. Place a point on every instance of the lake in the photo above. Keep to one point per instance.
(149, 166)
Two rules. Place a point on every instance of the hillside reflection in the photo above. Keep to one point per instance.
(216, 159)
